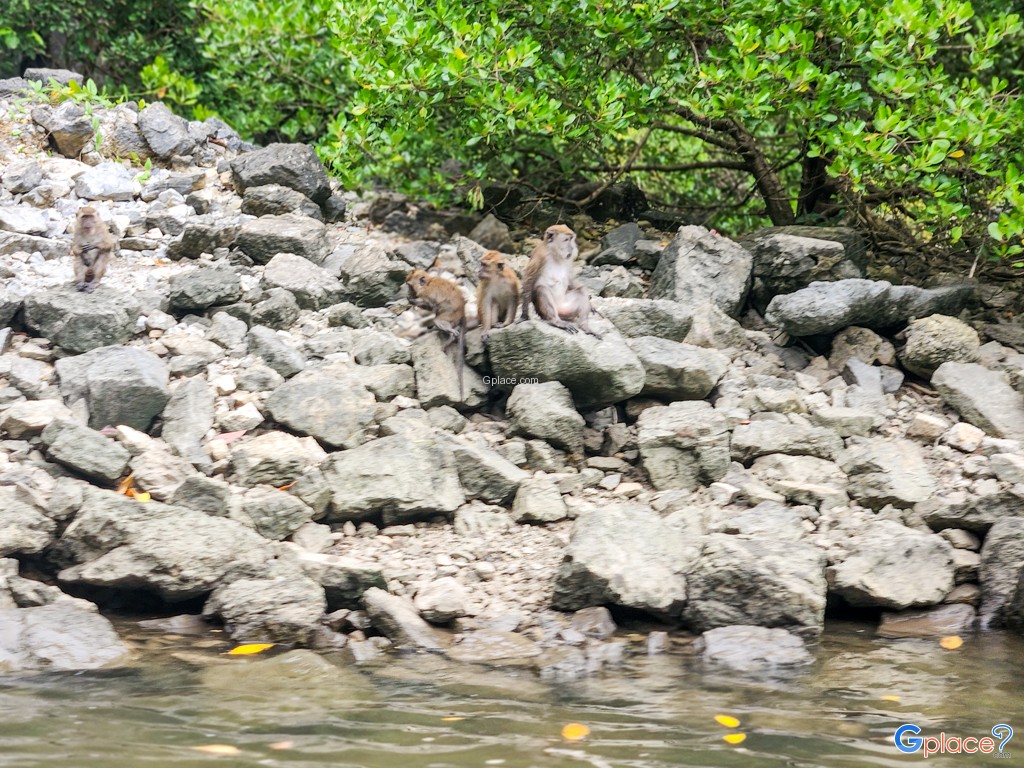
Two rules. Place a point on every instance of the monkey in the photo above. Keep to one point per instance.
(497, 295)
(445, 300)
(91, 247)
(550, 285)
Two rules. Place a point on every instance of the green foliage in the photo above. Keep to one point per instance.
(896, 110)
(106, 40)
(272, 72)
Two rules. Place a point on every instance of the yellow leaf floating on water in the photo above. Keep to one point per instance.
(249, 648)
(951, 643)
(282, 745)
(218, 749)
(451, 719)
(727, 720)
(890, 697)
(575, 731)
(734, 738)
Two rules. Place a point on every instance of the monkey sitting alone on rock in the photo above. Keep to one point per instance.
(497, 295)
(445, 300)
(550, 285)
(92, 248)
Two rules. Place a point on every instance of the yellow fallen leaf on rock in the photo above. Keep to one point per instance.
(249, 649)
(951, 643)
(142, 496)
(727, 720)
(575, 731)
(734, 738)
(218, 749)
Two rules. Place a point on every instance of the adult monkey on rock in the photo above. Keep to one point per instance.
(550, 285)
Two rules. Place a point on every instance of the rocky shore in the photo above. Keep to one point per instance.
(248, 419)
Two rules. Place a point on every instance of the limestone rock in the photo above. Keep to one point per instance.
(983, 397)
(80, 321)
(887, 471)
(829, 307)
(938, 339)
(598, 372)
(403, 479)
(752, 649)
(85, 451)
(678, 371)
(59, 638)
(398, 619)
(894, 567)
(699, 266)
(199, 289)
(538, 500)
(263, 238)
(663, 318)
(625, 555)
(282, 609)
(442, 600)
(120, 385)
(313, 287)
(295, 166)
(760, 438)
(683, 445)
(273, 458)
(758, 581)
(330, 408)
(546, 411)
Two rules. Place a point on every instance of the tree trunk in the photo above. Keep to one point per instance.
(776, 201)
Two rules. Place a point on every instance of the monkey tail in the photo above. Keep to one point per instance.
(460, 356)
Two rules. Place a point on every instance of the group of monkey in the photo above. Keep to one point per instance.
(549, 285)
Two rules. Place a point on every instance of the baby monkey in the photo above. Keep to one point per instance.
(550, 285)
(444, 299)
(497, 295)
(92, 248)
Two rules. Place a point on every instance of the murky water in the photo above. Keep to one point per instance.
(298, 710)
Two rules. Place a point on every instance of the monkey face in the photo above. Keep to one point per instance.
(561, 240)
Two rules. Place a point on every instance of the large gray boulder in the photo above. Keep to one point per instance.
(1002, 565)
(397, 619)
(80, 321)
(276, 350)
(538, 500)
(683, 445)
(437, 375)
(678, 371)
(23, 529)
(27, 418)
(752, 649)
(938, 339)
(106, 181)
(120, 385)
(394, 476)
(625, 555)
(60, 637)
(983, 397)
(325, 405)
(789, 258)
(891, 566)
(275, 609)
(295, 166)
(761, 438)
(646, 317)
(165, 133)
(598, 372)
(546, 411)
(313, 287)
(263, 238)
(886, 471)
(273, 458)
(85, 451)
(275, 514)
(486, 474)
(759, 581)
(199, 289)
(187, 418)
(69, 128)
(372, 278)
(700, 266)
(829, 307)
(175, 552)
(344, 579)
(275, 200)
